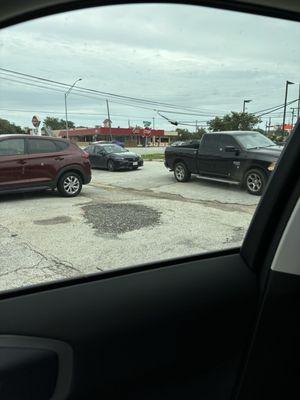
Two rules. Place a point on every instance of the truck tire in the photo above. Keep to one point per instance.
(255, 181)
(181, 173)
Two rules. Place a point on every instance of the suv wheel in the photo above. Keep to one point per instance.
(110, 165)
(255, 182)
(181, 173)
(70, 184)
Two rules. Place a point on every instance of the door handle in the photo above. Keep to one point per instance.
(44, 361)
(59, 158)
(22, 162)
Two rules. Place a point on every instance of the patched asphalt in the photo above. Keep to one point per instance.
(115, 219)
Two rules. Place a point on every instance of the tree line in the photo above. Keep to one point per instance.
(229, 122)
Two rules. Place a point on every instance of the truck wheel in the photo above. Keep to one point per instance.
(181, 173)
(255, 181)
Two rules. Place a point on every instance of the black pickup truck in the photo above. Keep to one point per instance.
(241, 157)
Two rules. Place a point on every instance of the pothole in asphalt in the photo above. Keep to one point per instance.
(120, 218)
(53, 221)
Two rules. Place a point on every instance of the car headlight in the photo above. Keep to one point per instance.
(119, 158)
(272, 166)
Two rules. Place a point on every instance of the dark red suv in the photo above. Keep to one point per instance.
(36, 163)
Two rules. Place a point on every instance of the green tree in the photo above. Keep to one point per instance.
(7, 127)
(185, 134)
(57, 124)
(233, 122)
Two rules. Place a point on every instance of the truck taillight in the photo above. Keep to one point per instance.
(85, 155)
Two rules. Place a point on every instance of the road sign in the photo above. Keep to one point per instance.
(36, 121)
(146, 124)
(146, 132)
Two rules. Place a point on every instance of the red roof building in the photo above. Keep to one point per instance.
(115, 132)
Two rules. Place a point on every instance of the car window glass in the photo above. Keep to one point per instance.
(11, 147)
(61, 145)
(113, 149)
(226, 140)
(41, 146)
(210, 144)
(254, 140)
(89, 149)
(99, 150)
(131, 80)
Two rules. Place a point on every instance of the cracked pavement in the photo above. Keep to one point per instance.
(121, 219)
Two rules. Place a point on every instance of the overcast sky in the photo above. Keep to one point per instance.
(194, 57)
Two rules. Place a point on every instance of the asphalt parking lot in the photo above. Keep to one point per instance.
(121, 219)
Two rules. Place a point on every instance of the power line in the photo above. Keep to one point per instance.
(104, 94)
(129, 101)
(278, 108)
(274, 108)
(32, 84)
(77, 113)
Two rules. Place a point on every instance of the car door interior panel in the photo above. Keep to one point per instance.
(150, 332)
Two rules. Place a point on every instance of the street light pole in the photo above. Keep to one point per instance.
(244, 105)
(298, 111)
(285, 101)
(66, 106)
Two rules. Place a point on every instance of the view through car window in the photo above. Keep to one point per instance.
(137, 133)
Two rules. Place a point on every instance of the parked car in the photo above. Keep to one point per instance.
(177, 143)
(36, 163)
(241, 157)
(117, 142)
(113, 157)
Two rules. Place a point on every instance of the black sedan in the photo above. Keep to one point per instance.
(113, 157)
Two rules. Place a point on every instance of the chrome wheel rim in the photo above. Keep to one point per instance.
(110, 165)
(71, 184)
(254, 182)
(179, 172)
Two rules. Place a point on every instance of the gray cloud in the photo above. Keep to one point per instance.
(192, 56)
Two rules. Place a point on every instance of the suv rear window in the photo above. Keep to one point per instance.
(41, 146)
(12, 147)
(61, 145)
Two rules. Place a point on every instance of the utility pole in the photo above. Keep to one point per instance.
(196, 126)
(293, 114)
(298, 112)
(109, 121)
(287, 83)
(244, 105)
(266, 128)
(269, 126)
(66, 112)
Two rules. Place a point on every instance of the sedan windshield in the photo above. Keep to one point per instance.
(254, 141)
(113, 148)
